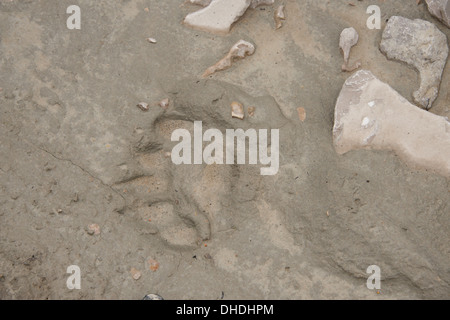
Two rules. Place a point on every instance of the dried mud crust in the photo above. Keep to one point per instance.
(72, 139)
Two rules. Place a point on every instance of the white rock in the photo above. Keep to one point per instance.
(218, 16)
(420, 138)
(143, 106)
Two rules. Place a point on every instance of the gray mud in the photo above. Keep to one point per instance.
(75, 150)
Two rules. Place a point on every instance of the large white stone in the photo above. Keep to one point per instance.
(218, 16)
(369, 114)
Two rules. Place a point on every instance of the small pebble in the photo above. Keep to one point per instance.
(93, 229)
(151, 40)
(164, 103)
(251, 111)
(153, 264)
(136, 274)
(237, 110)
(143, 106)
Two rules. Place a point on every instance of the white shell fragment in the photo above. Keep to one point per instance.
(279, 16)
(422, 45)
(349, 38)
(164, 103)
(440, 9)
(239, 51)
(151, 40)
(143, 106)
(237, 110)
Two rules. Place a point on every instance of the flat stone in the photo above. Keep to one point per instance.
(422, 45)
(218, 16)
(369, 114)
(440, 9)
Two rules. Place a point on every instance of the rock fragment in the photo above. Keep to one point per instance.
(218, 16)
(237, 110)
(93, 229)
(251, 111)
(279, 16)
(369, 114)
(238, 51)
(164, 103)
(143, 106)
(420, 44)
(349, 38)
(135, 274)
(440, 9)
(151, 40)
(153, 265)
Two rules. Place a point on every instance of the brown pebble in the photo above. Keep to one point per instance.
(153, 264)
(143, 106)
(301, 114)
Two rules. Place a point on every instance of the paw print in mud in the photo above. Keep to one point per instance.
(186, 204)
